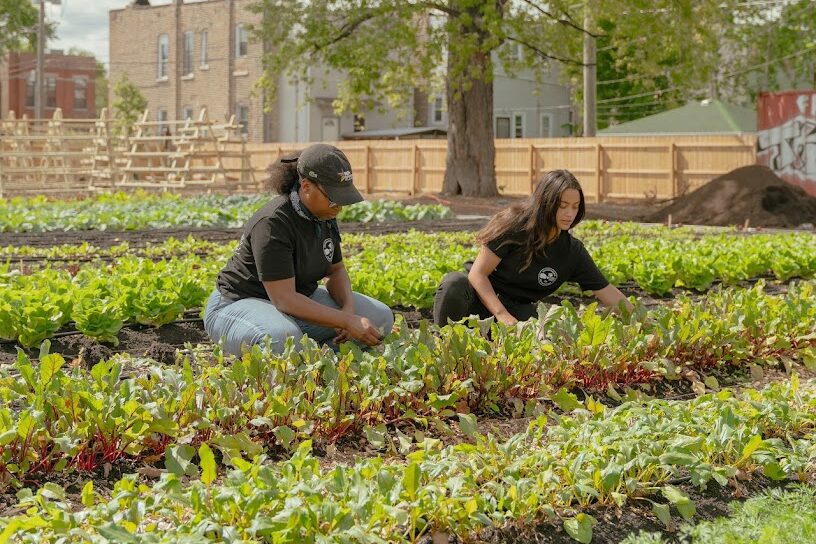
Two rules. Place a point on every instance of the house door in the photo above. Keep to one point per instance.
(502, 127)
(331, 129)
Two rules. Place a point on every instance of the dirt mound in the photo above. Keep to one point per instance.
(753, 192)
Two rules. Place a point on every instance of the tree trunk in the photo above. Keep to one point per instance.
(471, 164)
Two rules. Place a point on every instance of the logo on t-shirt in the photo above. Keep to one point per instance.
(328, 249)
(547, 277)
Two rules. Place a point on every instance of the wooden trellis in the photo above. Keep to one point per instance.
(180, 154)
(48, 156)
(76, 156)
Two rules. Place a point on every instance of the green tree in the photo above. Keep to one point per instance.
(652, 55)
(101, 88)
(128, 104)
(627, 91)
(776, 48)
(18, 24)
(386, 48)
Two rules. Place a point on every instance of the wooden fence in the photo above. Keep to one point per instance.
(609, 168)
(70, 156)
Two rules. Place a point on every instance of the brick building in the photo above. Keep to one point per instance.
(70, 84)
(187, 55)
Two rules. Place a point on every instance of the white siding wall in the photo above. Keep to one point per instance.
(521, 95)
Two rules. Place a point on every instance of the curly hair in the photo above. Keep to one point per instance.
(283, 174)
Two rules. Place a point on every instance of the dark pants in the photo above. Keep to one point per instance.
(455, 299)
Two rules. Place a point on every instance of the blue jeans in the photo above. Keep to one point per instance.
(249, 321)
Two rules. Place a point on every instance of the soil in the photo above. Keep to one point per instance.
(140, 238)
(159, 344)
(749, 196)
(464, 206)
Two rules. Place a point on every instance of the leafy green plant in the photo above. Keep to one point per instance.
(98, 317)
(140, 210)
(600, 455)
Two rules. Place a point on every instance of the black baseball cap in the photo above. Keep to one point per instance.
(328, 166)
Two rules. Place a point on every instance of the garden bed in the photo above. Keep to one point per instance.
(751, 340)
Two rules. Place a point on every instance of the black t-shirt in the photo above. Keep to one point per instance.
(566, 259)
(277, 244)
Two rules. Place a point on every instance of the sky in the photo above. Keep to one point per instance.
(84, 24)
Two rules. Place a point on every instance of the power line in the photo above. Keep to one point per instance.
(774, 61)
(635, 105)
(639, 112)
(532, 108)
(619, 80)
(723, 76)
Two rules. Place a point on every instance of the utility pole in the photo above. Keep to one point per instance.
(38, 82)
(590, 73)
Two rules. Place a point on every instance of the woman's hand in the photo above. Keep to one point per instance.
(342, 336)
(506, 318)
(612, 298)
(361, 329)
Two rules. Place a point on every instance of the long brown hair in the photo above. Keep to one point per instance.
(534, 219)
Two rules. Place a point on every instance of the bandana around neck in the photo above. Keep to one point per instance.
(303, 211)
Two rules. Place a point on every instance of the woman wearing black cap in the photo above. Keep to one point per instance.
(269, 291)
(527, 253)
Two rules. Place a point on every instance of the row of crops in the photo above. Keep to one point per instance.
(138, 211)
(55, 417)
(155, 285)
(213, 489)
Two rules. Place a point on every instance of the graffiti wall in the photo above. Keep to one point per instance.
(786, 139)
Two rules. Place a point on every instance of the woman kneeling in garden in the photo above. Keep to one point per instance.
(268, 290)
(527, 252)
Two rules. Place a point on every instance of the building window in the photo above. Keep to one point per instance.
(50, 91)
(516, 52)
(187, 59)
(359, 122)
(164, 56)
(518, 125)
(187, 112)
(438, 109)
(502, 127)
(80, 93)
(203, 48)
(241, 41)
(242, 113)
(546, 125)
(161, 117)
(31, 82)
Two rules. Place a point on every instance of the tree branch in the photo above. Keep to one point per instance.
(439, 6)
(344, 32)
(546, 55)
(350, 27)
(566, 22)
